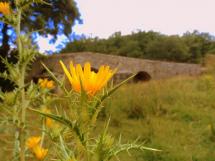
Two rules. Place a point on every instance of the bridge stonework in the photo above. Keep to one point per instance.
(145, 69)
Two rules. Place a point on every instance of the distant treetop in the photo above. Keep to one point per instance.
(191, 47)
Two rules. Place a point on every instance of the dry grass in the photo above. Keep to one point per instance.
(176, 115)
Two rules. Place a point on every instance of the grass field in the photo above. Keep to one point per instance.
(176, 115)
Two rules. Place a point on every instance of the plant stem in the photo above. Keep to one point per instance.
(43, 131)
(23, 117)
(18, 41)
(21, 85)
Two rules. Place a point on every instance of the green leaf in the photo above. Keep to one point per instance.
(57, 118)
(95, 108)
(126, 147)
(111, 91)
(1, 94)
(73, 125)
(58, 82)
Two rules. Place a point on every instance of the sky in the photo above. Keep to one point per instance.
(101, 18)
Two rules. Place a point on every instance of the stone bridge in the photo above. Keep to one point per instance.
(145, 69)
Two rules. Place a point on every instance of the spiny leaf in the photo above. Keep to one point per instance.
(96, 109)
(71, 124)
(60, 84)
(25, 4)
(57, 118)
(111, 91)
(9, 19)
(1, 94)
(4, 75)
(126, 147)
(12, 72)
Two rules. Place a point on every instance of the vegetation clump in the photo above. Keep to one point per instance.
(191, 47)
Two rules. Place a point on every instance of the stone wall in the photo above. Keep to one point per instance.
(149, 69)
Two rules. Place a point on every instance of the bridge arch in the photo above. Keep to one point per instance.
(142, 76)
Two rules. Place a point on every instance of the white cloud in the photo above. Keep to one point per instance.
(45, 46)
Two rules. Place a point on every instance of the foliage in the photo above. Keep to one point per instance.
(67, 131)
(169, 48)
(191, 47)
(54, 17)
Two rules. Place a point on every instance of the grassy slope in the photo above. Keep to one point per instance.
(174, 115)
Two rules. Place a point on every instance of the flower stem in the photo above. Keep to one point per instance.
(21, 85)
(43, 131)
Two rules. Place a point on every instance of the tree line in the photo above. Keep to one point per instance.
(191, 47)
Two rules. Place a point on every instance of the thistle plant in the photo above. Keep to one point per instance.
(77, 140)
(67, 121)
(14, 111)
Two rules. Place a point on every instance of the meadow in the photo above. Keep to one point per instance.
(175, 115)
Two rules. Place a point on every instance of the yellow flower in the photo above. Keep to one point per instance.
(50, 84)
(90, 81)
(40, 152)
(33, 144)
(5, 8)
(33, 141)
(49, 123)
(45, 83)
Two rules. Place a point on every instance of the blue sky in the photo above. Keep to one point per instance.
(104, 17)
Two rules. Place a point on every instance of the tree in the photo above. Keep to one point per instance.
(130, 48)
(191, 47)
(168, 48)
(199, 44)
(54, 19)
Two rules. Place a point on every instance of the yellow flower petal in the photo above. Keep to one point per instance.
(72, 70)
(49, 123)
(5, 8)
(91, 82)
(45, 83)
(75, 80)
(40, 153)
(66, 71)
(33, 141)
(50, 84)
(80, 73)
(87, 70)
(40, 80)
